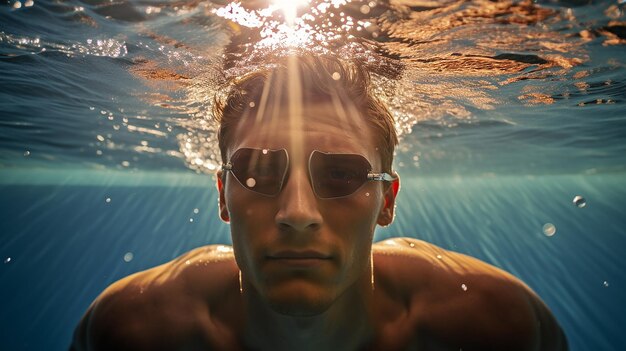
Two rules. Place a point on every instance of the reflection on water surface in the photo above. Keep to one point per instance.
(145, 73)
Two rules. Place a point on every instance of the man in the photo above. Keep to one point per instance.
(307, 152)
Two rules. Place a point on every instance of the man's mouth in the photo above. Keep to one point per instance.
(307, 258)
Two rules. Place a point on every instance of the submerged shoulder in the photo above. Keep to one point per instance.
(160, 307)
(462, 302)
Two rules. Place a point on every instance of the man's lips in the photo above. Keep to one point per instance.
(295, 255)
(306, 258)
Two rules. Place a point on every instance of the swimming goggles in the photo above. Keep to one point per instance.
(263, 171)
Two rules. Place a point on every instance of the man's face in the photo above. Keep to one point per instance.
(300, 252)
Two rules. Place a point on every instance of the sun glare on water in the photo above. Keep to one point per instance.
(290, 8)
(290, 23)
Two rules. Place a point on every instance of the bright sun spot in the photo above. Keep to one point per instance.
(290, 8)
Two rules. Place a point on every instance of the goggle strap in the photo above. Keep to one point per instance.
(385, 177)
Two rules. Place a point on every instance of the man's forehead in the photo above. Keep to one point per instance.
(319, 124)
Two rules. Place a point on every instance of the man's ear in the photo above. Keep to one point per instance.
(222, 198)
(385, 216)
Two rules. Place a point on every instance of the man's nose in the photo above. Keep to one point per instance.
(298, 204)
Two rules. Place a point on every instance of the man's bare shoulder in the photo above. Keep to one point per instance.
(165, 307)
(461, 302)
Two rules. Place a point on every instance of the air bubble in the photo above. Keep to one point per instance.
(579, 201)
(108, 199)
(128, 256)
(190, 220)
(336, 75)
(549, 229)
(196, 210)
(252, 104)
(439, 257)
(250, 182)
(464, 287)
(606, 284)
(26, 153)
(365, 9)
(367, 194)
(8, 260)
(125, 163)
(17, 5)
(29, 3)
(412, 244)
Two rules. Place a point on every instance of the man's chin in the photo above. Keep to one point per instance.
(299, 302)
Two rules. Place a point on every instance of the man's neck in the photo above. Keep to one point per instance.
(345, 325)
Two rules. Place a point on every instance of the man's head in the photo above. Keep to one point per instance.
(301, 128)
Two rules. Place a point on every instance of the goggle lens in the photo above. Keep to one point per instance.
(337, 175)
(260, 170)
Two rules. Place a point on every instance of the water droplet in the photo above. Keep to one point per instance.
(606, 284)
(224, 249)
(250, 182)
(195, 210)
(8, 259)
(336, 76)
(549, 229)
(579, 201)
(128, 256)
(464, 287)
(108, 199)
(26, 153)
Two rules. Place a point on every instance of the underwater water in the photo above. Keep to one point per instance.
(513, 148)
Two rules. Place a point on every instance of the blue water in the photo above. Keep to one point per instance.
(100, 142)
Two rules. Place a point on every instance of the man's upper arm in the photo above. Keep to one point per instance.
(79, 338)
(551, 335)
(108, 323)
